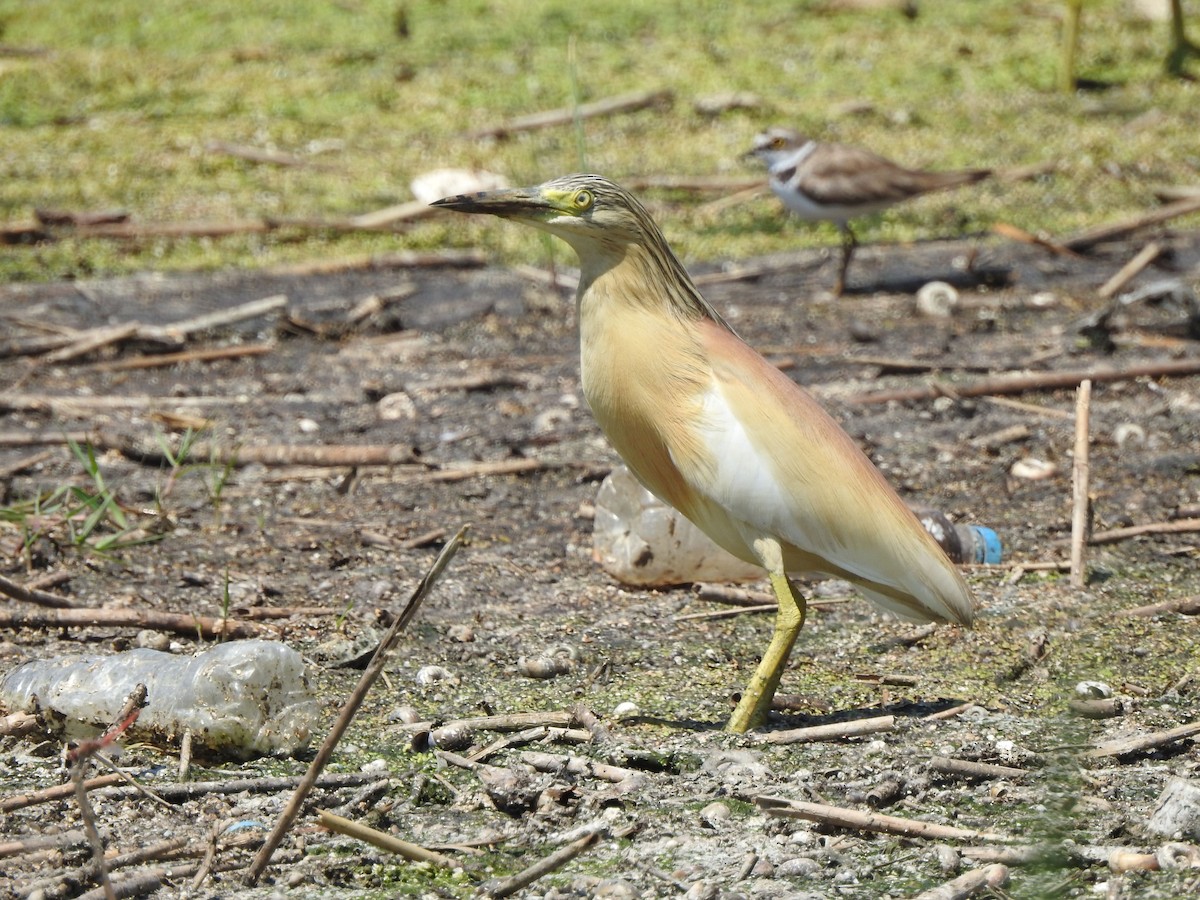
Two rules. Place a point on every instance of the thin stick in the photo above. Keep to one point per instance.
(578, 765)
(1037, 381)
(1079, 482)
(610, 106)
(506, 887)
(180, 791)
(383, 841)
(27, 462)
(32, 844)
(993, 876)
(206, 627)
(33, 595)
(834, 732)
(1143, 742)
(734, 596)
(161, 360)
(318, 455)
(855, 820)
(57, 792)
(1129, 271)
(1176, 526)
(694, 184)
(351, 706)
(409, 211)
(92, 340)
(511, 722)
(1032, 408)
(967, 769)
(727, 613)
(1013, 233)
(1086, 239)
(1184, 606)
(259, 155)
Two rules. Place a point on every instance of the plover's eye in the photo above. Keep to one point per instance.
(583, 200)
(777, 143)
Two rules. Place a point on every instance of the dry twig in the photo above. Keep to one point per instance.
(33, 595)
(607, 107)
(1143, 742)
(383, 841)
(1129, 271)
(1035, 381)
(993, 876)
(1184, 606)
(1085, 240)
(835, 732)
(967, 769)
(506, 887)
(1079, 481)
(854, 820)
(176, 623)
(352, 705)
(1175, 526)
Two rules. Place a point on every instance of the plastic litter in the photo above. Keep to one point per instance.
(239, 699)
(639, 540)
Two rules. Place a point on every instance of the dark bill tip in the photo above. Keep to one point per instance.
(508, 202)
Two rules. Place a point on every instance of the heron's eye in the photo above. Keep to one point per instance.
(583, 200)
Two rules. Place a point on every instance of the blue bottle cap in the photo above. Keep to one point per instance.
(987, 547)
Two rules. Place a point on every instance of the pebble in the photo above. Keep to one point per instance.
(626, 708)
(1032, 469)
(152, 640)
(799, 865)
(715, 814)
(434, 675)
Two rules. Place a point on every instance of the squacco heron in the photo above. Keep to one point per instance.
(716, 431)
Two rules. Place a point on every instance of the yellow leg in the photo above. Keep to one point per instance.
(756, 700)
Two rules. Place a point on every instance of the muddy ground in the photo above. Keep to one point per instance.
(475, 364)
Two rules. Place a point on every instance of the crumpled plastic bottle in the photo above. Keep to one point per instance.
(639, 540)
(239, 699)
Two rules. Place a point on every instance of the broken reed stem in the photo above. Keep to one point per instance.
(1176, 526)
(565, 116)
(383, 841)
(506, 887)
(834, 732)
(33, 595)
(1035, 381)
(1079, 482)
(351, 706)
(1129, 271)
(176, 623)
(963, 768)
(993, 876)
(854, 820)
(1143, 742)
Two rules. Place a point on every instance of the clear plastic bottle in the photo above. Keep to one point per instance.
(639, 540)
(239, 699)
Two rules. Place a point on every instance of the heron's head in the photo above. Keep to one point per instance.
(589, 212)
